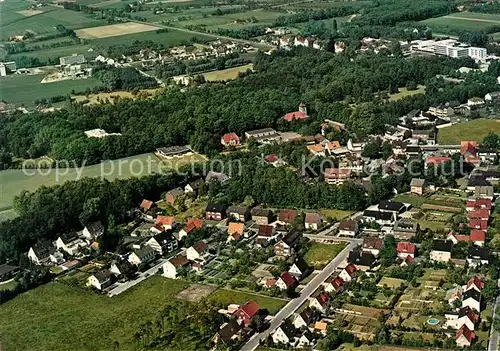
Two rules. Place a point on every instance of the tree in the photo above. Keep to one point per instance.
(388, 252)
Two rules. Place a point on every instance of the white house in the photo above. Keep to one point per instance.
(441, 250)
(285, 334)
(171, 267)
(304, 318)
(347, 274)
(472, 299)
(197, 251)
(100, 280)
(93, 230)
(312, 221)
(348, 228)
(144, 255)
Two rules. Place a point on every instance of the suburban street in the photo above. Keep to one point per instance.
(493, 345)
(294, 304)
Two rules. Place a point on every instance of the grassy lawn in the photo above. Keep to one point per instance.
(67, 318)
(403, 92)
(98, 98)
(226, 74)
(320, 254)
(8, 285)
(337, 214)
(472, 130)
(391, 282)
(25, 89)
(227, 297)
(414, 200)
(13, 181)
(433, 225)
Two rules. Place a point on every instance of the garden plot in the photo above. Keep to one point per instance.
(196, 292)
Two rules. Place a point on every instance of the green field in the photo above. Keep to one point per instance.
(50, 53)
(226, 74)
(461, 21)
(473, 130)
(233, 20)
(59, 317)
(403, 92)
(319, 255)
(334, 213)
(13, 181)
(226, 297)
(25, 89)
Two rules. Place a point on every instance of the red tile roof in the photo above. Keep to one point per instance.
(287, 216)
(466, 332)
(164, 220)
(297, 115)
(436, 160)
(405, 247)
(230, 137)
(288, 279)
(480, 203)
(409, 259)
(146, 204)
(270, 282)
(477, 235)
(372, 243)
(192, 224)
(266, 230)
(468, 146)
(337, 283)
(250, 308)
(475, 281)
(312, 217)
(350, 269)
(271, 158)
(481, 213)
(322, 299)
(200, 246)
(478, 224)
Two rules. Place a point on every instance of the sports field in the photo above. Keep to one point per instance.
(461, 21)
(58, 317)
(475, 130)
(25, 89)
(114, 30)
(13, 181)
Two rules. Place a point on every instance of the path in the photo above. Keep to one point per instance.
(294, 304)
(493, 345)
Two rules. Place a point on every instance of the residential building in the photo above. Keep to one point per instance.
(391, 206)
(299, 268)
(173, 195)
(93, 230)
(247, 312)
(286, 246)
(405, 249)
(192, 224)
(261, 215)
(165, 222)
(286, 216)
(230, 139)
(163, 243)
(363, 260)
(194, 186)
(312, 221)
(441, 250)
(464, 337)
(337, 175)
(286, 281)
(235, 230)
(372, 245)
(8, 271)
(348, 228)
(478, 237)
(472, 299)
(42, 254)
(417, 186)
(304, 318)
(197, 252)
(70, 243)
(478, 256)
(227, 332)
(334, 285)
(100, 280)
(475, 283)
(319, 301)
(285, 334)
(216, 176)
(172, 266)
(147, 205)
(265, 135)
(347, 274)
(142, 256)
(239, 213)
(215, 211)
(173, 151)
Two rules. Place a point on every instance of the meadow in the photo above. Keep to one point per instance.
(461, 21)
(475, 130)
(13, 181)
(58, 317)
(25, 89)
(226, 297)
(319, 255)
(226, 74)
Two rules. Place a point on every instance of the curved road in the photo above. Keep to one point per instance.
(294, 304)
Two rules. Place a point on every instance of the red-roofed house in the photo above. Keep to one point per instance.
(270, 282)
(478, 237)
(334, 285)
(230, 139)
(405, 249)
(287, 216)
(165, 222)
(482, 214)
(478, 224)
(246, 312)
(475, 283)
(297, 115)
(476, 204)
(436, 160)
(286, 281)
(464, 336)
(468, 148)
(348, 272)
(192, 224)
(456, 238)
(146, 205)
(320, 302)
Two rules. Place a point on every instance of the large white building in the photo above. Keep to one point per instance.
(449, 47)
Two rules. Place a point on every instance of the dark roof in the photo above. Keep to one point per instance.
(215, 207)
(390, 205)
(266, 230)
(173, 150)
(288, 329)
(176, 192)
(196, 183)
(478, 251)
(348, 225)
(307, 315)
(229, 329)
(103, 275)
(301, 265)
(164, 238)
(95, 228)
(478, 181)
(371, 214)
(69, 237)
(476, 295)
(260, 212)
(490, 173)
(144, 252)
(412, 148)
(241, 210)
(291, 238)
(6, 269)
(442, 245)
(42, 249)
(359, 258)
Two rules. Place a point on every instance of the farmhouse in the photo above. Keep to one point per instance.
(100, 280)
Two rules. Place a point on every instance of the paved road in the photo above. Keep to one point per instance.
(493, 345)
(142, 276)
(294, 304)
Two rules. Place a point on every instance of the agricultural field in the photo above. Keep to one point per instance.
(114, 30)
(226, 297)
(451, 24)
(94, 322)
(25, 89)
(226, 74)
(319, 255)
(92, 99)
(13, 181)
(475, 130)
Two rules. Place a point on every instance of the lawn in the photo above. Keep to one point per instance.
(414, 200)
(320, 254)
(25, 89)
(403, 92)
(472, 130)
(13, 181)
(98, 98)
(226, 297)
(227, 74)
(391, 282)
(58, 317)
(336, 214)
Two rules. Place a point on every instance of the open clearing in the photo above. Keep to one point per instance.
(227, 74)
(403, 92)
(475, 130)
(114, 30)
(28, 13)
(13, 181)
(196, 292)
(58, 317)
(226, 297)
(320, 254)
(111, 97)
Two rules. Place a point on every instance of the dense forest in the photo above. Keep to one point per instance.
(329, 86)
